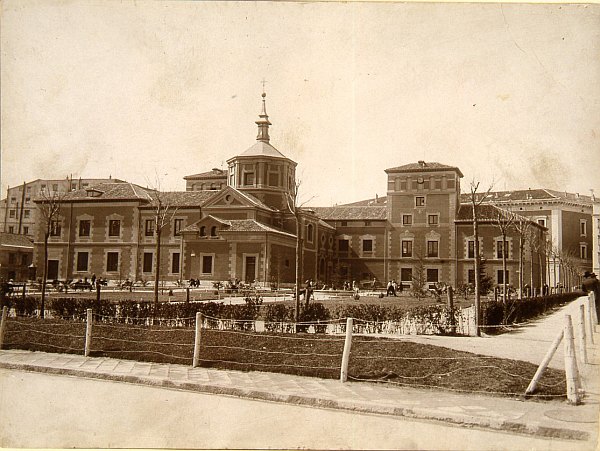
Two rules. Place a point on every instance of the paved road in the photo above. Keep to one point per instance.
(85, 413)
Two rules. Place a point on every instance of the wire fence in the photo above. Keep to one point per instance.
(278, 347)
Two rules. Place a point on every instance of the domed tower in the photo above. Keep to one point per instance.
(262, 170)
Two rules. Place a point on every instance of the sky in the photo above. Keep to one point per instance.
(150, 92)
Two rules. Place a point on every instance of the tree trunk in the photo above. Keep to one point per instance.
(521, 251)
(157, 268)
(477, 275)
(504, 287)
(45, 275)
(298, 250)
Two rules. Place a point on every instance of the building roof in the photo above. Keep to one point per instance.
(423, 166)
(350, 213)
(237, 225)
(106, 191)
(182, 198)
(215, 173)
(540, 194)
(375, 201)
(14, 240)
(487, 213)
(262, 149)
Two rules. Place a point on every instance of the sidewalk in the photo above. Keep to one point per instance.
(542, 419)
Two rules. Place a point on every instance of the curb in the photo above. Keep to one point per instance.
(366, 408)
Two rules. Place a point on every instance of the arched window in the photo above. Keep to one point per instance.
(213, 231)
(202, 231)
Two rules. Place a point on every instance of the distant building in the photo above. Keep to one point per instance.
(16, 255)
(596, 236)
(18, 212)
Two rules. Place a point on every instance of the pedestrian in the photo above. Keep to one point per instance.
(307, 291)
(394, 287)
(591, 284)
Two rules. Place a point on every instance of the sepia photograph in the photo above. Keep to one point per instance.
(299, 225)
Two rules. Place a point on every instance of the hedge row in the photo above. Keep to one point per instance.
(520, 310)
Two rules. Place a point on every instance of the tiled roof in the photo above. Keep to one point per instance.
(424, 166)
(11, 239)
(238, 225)
(107, 191)
(380, 200)
(183, 198)
(486, 212)
(531, 194)
(214, 174)
(255, 200)
(262, 149)
(345, 213)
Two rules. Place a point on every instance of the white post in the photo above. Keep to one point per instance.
(3, 324)
(582, 340)
(571, 370)
(346, 354)
(590, 320)
(545, 361)
(197, 337)
(88, 333)
(594, 315)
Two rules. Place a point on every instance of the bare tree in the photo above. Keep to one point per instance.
(295, 208)
(504, 220)
(49, 206)
(536, 246)
(476, 200)
(164, 211)
(522, 226)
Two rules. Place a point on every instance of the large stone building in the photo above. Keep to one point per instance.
(239, 223)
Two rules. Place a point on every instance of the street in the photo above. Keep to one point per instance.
(47, 411)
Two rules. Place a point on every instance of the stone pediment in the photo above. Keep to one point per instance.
(229, 198)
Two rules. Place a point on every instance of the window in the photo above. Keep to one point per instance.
(367, 223)
(437, 184)
(273, 178)
(471, 276)
(149, 227)
(112, 261)
(55, 187)
(114, 227)
(367, 246)
(500, 249)
(343, 247)
(55, 228)
(213, 231)
(27, 200)
(407, 248)
(406, 220)
(26, 230)
(82, 261)
(310, 233)
(432, 275)
(207, 264)
(433, 220)
(542, 222)
(11, 229)
(583, 251)
(471, 249)
(11, 213)
(24, 260)
(406, 274)
(147, 263)
(177, 226)
(13, 200)
(175, 263)
(403, 185)
(248, 178)
(420, 201)
(583, 227)
(501, 278)
(84, 227)
(202, 231)
(344, 223)
(27, 213)
(432, 248)
(43, 187)
(12, 258)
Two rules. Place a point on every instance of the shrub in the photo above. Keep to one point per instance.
(519, 310)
